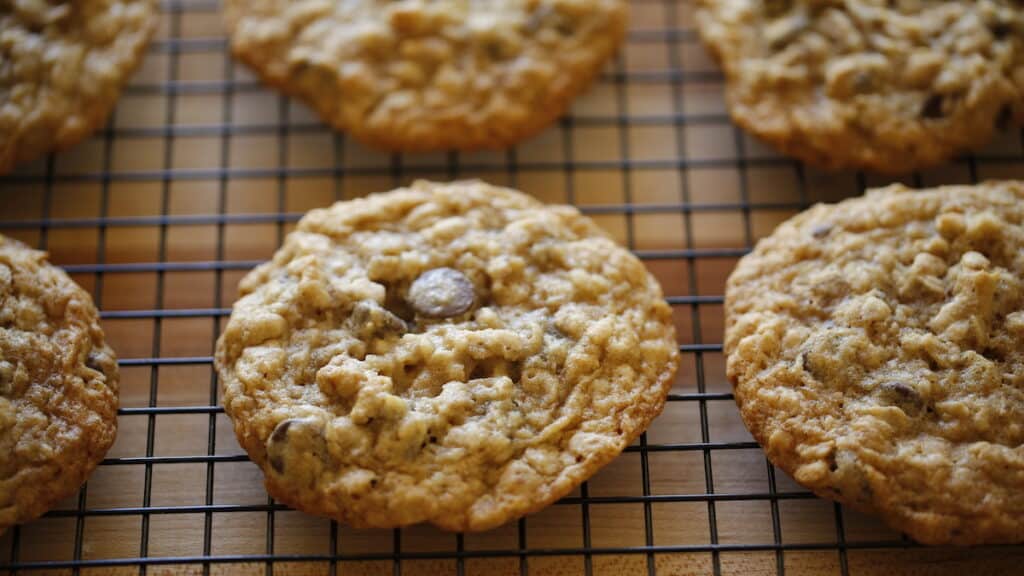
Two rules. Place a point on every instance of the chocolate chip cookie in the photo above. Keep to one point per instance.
(876, 347)
(62, 64)
(58, 385)
(459, 354)
(429, 75)
(883, 85)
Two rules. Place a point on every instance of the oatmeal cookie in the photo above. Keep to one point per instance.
(876, 348)
(884, 85)
(459, 354)
(62, 64)
(58, 385)
(421, 75)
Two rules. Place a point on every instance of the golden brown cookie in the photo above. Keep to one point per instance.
(459, 354)
(883, 85)
(58, 385)
(876, 347)
(62, 65)
(427, 75)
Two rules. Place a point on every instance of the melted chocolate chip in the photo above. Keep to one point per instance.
(1005, 117)
(1001, 29)
(903, 396)
(932, 107)
(565, 27)
(864, 82)
(276, 445)
(441, 293)
(372, 319)
(95, 361)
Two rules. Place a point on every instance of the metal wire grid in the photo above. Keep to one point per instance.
(672, 37)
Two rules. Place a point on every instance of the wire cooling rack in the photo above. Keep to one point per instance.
(201, 171)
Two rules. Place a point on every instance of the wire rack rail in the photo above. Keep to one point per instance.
(201, 171)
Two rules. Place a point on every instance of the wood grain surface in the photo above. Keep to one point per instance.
(658, 138)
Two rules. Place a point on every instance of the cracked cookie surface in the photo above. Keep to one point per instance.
(459, 354)
(883, 85)
(429, 75)
(62, 65)
(876, 348)
(58, 385)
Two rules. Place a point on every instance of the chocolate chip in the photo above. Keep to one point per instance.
(821, 230)
(565, 27)
(902, 396)
(495, 50)
(864, 82)
(297, 447)
(774, 8)
(370, 318)
(96, 360)
(1001, 29)
(441, 293)
(276, 445)
(1004, 117)
(280, 433)
(296, 439)
(932, 107)
(6, 377)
